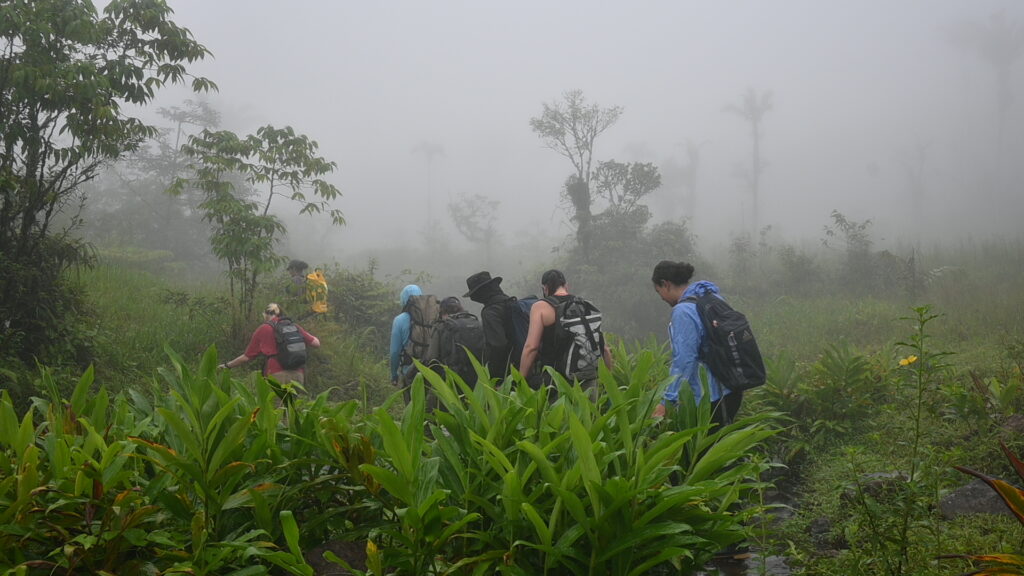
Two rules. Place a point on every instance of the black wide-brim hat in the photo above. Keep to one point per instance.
(479, 280)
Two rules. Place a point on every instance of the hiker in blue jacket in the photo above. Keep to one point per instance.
(672, 283)
(401, 329)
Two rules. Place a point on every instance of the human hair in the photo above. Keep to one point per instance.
(451, 305)
(678, 273)
(273, 309)
(552, 280)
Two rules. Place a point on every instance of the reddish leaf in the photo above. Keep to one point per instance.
(1011, 495)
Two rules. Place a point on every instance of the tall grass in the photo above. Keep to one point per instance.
(136, 314)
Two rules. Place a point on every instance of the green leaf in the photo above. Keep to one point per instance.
(538, 523)
(395, 447)
(291, 532)
(391, 482)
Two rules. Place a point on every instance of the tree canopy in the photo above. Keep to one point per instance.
(570, 127)
(272, 163)
(67, 73)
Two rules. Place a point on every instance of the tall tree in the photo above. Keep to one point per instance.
(66, 73)
(474, 217)
(272, 163)
(752, 108)
(1000, 43)
(623, 185)
(128, 204)
(571, 127)
(430, 151)
(691, 177)
(914, 166)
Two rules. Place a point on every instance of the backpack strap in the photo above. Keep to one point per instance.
(506, 323)
(705, 341)
(587, 308)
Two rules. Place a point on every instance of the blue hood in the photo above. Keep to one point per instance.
(698, 289)
(410, 290)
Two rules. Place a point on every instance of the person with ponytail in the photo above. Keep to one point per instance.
(673, 283)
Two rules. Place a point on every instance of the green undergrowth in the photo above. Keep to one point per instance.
(137, 313)
(859, 398)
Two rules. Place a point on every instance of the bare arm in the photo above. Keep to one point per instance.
(238, 361)
(311, 341)
(538, 320)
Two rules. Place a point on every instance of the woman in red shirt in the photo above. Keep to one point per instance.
(263, 343)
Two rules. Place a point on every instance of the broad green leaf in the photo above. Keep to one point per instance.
(391, 482)
(232, 440)
(538, 524)
(727, 449)
(291, 532)
(81, 391)
(395, 447)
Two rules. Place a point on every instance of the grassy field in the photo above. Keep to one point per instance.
(871, 386)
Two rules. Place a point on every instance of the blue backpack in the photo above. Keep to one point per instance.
(517, 324)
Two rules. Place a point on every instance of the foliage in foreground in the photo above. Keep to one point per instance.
(215, 477)
(995, 564)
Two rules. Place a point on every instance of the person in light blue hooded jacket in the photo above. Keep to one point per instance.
(401, 329)
(686, 333)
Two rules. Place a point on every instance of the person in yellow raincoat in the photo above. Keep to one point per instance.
(307, 291)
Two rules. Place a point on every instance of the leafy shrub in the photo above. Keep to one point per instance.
(517, 483)
(1013, 496)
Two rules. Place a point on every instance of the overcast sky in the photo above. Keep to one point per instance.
(858, 87)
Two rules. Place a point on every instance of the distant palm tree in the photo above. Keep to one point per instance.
(1000, 42)
(690, 172)
(752, 108)
(430, 151)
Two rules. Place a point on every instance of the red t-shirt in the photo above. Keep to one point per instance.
(263, 343)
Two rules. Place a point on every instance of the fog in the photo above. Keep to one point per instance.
(421, 102)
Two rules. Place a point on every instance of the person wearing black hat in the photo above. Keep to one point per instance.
(486, 290)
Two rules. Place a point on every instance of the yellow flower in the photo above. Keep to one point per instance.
(908, 360)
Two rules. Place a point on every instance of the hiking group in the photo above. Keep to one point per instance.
(556, 333)
(559, 330)
(561, 333)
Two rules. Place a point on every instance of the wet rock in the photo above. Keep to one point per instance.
(1013, 425)
(753, 565)
(820, 530)
(974, 498)
(777, 566)
(875, 484)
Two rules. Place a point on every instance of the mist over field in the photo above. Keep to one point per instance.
(421, 103)
(847, 174)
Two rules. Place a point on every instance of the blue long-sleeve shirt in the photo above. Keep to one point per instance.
(401, 328)
(685, 333)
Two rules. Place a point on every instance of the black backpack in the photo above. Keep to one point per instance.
(461, 333)
(729, 348)
(578, 338)
(291, 346)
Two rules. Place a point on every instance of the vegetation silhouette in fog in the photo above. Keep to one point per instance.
(571, 127)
